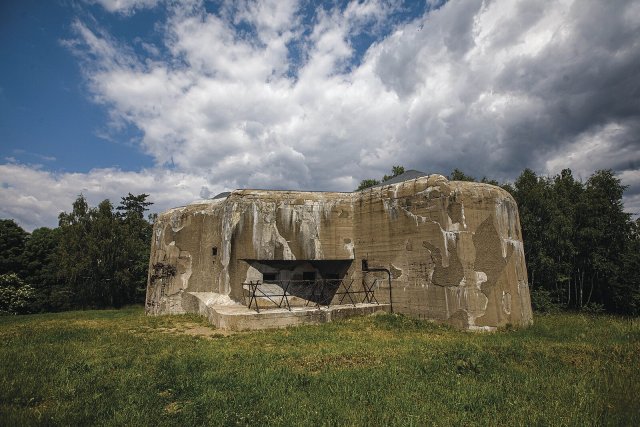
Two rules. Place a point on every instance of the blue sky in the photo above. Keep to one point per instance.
(183, 100)
(46, 113)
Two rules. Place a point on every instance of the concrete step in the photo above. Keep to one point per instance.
(238, 317)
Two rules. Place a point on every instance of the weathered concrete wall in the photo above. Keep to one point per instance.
(183, 239)
(454, 248)
(246, 226)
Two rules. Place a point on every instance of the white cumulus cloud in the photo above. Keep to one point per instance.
(259, 94)
(35, 197)
(126, 7)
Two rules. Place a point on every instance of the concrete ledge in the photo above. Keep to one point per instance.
(245, 319)
(237, 317)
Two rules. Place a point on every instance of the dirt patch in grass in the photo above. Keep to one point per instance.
(172, 408)
(194, 329)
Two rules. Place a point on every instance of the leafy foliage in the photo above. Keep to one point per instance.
(97, 257)
(15, 296)
(542, 301)
(12, 241)
(104, 252)
(40, 269)
(134, 206)
(395, 171)
(366, 183)
(458, 175)
(580, 245)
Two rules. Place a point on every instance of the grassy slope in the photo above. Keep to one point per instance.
(120, 367)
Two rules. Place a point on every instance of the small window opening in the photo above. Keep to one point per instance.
(214, 251)
(269, 277)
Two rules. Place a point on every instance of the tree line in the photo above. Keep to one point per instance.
(97, 257)
(581, 249)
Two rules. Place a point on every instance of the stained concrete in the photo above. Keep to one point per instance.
(454, 249)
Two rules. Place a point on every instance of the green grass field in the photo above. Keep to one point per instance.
(120, 367)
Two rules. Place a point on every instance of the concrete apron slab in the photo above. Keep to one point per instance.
(239, 317)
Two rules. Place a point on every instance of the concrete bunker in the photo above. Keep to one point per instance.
(452, 250)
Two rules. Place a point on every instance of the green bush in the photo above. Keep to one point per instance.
(16, 297)
(542, 301)
(593, 308)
